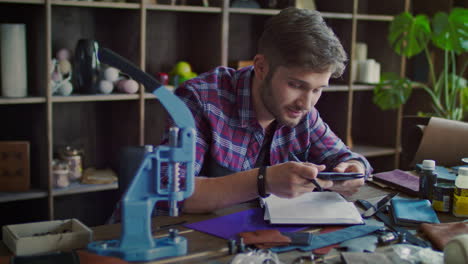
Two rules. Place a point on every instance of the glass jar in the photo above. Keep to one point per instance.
(73, 157)
(60, 173)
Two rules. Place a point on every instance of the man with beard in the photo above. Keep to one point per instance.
(255, 124)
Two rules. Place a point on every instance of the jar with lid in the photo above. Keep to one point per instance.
(60, 173)
(460, 194)
(73, 157)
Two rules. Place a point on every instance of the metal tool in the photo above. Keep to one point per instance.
(378, 206)
(152, 183)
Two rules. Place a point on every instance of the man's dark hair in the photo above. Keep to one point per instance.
(301, 38)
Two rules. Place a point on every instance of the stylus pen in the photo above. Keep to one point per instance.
(314, 181)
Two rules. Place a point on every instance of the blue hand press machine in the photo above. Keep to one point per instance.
(152, 182)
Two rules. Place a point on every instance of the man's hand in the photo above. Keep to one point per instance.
(292, 179)
(348, 188)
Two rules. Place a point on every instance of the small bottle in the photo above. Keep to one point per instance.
(60, 173)
(427, 179)
(460, 194)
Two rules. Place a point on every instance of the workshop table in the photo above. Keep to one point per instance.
(205, 248)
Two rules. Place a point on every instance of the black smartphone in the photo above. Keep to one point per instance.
(339, 176)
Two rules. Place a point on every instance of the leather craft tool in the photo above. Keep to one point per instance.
(378, 206)
(149, 183)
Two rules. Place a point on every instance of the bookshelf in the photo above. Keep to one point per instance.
(155, 37)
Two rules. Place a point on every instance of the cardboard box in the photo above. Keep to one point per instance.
(47, 236)
(14, 166)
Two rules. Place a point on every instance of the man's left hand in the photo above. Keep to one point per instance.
(349, 187)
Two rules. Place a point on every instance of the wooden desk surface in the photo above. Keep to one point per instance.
(205, 248)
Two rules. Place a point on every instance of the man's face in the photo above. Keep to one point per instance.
(288, 94)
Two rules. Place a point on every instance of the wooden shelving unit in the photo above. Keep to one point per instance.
(155, 37)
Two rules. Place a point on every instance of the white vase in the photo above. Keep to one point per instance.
(13, 61)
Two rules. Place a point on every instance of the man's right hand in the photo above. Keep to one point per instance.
(291, 179)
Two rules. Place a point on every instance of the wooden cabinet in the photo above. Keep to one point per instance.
(155, 37)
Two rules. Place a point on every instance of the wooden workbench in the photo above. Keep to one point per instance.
(205, 248)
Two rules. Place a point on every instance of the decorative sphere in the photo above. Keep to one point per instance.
(182, 68)
(64, 66)
(63, 54)
(106, 87)
(111, 74)
(127, 86)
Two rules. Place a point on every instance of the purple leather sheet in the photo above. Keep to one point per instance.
(229, 226)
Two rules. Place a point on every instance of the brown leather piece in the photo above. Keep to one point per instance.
(267, 238)
(440, 234)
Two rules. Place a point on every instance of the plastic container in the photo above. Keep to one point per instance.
(460, 194)
(427, 179)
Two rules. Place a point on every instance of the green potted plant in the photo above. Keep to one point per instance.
(410, 35)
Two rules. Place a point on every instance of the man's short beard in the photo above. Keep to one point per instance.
(268, 100)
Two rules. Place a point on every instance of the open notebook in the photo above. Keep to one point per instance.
(311, 208)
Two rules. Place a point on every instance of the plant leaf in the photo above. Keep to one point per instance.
(409, 35)
(392, 91)
(450, 32)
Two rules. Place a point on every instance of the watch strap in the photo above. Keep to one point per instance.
(261, 182)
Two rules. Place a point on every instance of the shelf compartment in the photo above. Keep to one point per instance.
(69, 24)
(22, 100)
(380, 7)
(191, 37)
(31, 14)
(27, 122)
(18, 196)
(75, 188)
(373, 151)
(378, 48)
(94, 98)
(99, 129)
(331, 107)
(372, 125)
(93, 4)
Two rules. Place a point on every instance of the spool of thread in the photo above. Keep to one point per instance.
(13, 60)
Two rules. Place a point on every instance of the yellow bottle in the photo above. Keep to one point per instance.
(460, 194)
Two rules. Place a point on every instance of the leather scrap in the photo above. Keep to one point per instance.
(440, 234)
(266, 238)
(360, 244)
